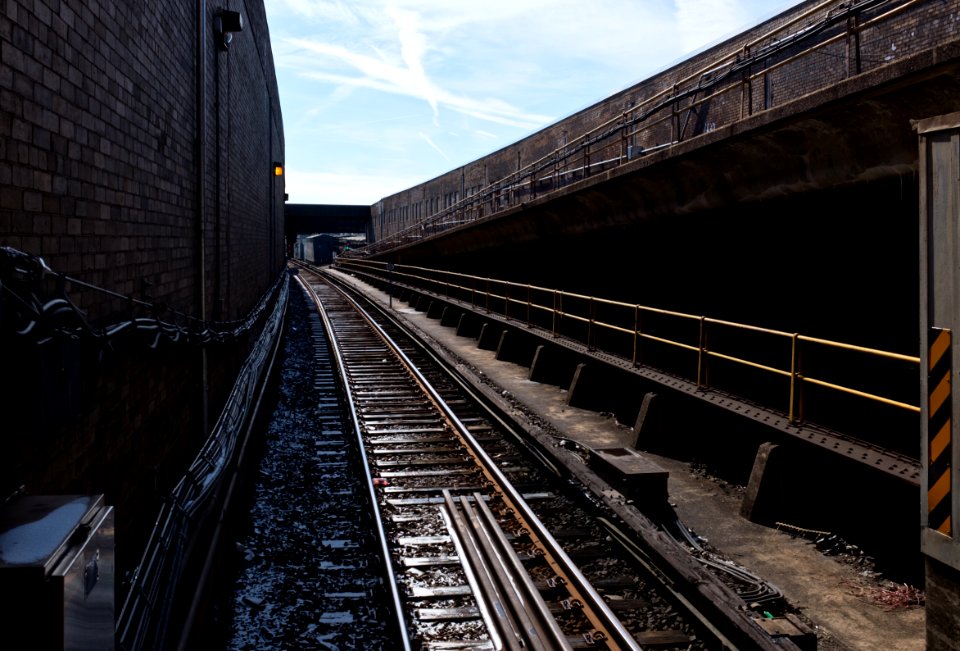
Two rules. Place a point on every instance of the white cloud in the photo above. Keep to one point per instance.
(412, 49)
(332, 63)
(434, 145)
(365, 83)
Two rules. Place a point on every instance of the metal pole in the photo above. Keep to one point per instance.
(636, 334)
(794, 370)
(390, 283)
(201, 171)
(702, 355)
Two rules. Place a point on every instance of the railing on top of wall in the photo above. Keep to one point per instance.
(663, 119)
(633, 332)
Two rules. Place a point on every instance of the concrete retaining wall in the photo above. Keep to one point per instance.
(772, 82)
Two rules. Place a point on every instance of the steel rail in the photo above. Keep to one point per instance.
(625, 542)
(527, 618)
(546, 625)
(401, 626)
(490, 614)
(632, 548)
(489, 596)
(512, 621)
(492, 599)
(476, 397)
(595, 609)
(790, 421)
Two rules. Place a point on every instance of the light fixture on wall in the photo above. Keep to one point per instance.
(278, 169)
(225, 23)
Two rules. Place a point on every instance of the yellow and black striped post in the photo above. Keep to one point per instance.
(939, 481)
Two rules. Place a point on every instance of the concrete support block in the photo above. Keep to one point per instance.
(579, 386)
(538, 365)
(450, 317)
(649, 421)
(550, 366)
(421, 303)
(503, 345)
(596, 388)
(765, 486)
(465, 326)
(435, 309)
(942, 585)
(517, 346)
(489, 337)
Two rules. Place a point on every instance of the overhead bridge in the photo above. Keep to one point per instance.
(310, 218)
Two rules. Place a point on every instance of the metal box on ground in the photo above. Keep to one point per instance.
(638, 478)
(57, 573)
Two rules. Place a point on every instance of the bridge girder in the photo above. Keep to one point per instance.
(304, 219)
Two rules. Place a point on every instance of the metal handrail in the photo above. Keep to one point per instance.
(730, 68)
(558, 314)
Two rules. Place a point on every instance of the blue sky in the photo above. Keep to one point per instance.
(380, 95)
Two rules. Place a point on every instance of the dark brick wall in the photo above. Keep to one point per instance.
(97, 167)
(900, 29)
(99, 176)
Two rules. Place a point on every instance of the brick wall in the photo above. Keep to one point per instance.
(878, 35)
(99, 175)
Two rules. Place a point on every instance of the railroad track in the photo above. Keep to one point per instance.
(484, 546)
(304, 573)
(452, 520)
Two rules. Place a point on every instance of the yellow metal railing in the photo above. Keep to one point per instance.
(554, 310)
